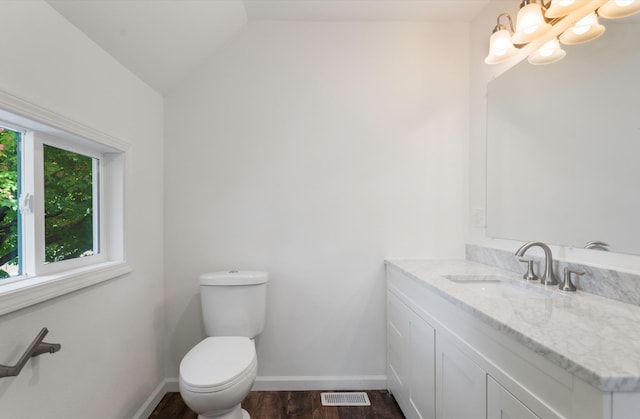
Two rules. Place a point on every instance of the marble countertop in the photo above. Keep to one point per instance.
(595, 338)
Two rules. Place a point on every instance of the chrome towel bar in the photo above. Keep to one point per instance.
(37, 347)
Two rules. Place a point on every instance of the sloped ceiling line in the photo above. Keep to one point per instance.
(161, 41)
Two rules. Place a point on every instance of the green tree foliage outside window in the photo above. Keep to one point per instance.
(8, 199)
(68, 202)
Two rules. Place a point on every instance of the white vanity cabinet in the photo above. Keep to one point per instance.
(460, 383)
(464, 390)
(503, 405)
(445, 363)
(410, 354)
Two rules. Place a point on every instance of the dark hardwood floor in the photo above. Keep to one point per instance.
(290, 405)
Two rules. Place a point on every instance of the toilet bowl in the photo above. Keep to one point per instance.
(217, 374)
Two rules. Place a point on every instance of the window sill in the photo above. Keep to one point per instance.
(20, 294)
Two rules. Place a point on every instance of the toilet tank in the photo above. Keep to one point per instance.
(234, 302)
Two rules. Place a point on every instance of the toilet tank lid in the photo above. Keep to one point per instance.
(234, 277)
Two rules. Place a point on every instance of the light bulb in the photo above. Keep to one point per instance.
(548, 53)
(615, 9)
(560, 8)
(586, 29)
(584, 24)
(547, 49)
(579, 30)
(530, 24)
(502, 43)
(500, 47)
(530, 19)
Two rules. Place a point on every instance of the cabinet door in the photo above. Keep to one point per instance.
(410, 360)
(422, 372)
(397, 350)
(461, 385)
(503, 405)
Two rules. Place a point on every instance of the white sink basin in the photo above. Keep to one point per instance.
(502, 286)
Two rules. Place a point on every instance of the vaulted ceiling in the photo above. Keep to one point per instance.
(161, 41)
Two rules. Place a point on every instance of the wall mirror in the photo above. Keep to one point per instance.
(563, 146)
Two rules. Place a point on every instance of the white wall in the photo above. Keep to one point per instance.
(314, 151)
(481, 74)
(112, 335)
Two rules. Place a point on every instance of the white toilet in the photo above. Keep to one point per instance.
(218, 373)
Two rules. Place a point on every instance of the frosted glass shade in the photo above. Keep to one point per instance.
(500, 47)
(560, 8)
(586, 29)
(614, 9)
(548, 53)
(530, 24)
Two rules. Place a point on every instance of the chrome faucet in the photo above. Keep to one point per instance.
(548, 277)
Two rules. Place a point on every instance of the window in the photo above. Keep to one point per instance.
(61, 207)
(50, 210)
(71, 190)
(9, 243)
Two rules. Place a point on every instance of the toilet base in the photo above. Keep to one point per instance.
(235, 413)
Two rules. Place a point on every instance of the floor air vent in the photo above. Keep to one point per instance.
(345, 399)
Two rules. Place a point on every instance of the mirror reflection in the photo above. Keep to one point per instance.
(563, 146)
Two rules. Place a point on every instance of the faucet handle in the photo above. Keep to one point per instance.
(597, 245)
(530, 275)
(567, 284)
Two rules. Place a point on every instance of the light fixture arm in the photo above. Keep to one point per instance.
(500, 26)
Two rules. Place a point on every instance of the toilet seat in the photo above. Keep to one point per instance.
(217, 363)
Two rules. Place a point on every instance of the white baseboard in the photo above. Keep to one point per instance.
(172, 385)
(307, 383)
(315, 383)
(276, 383)
(152, 401)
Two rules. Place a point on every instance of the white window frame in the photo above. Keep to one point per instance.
(33, 244)
(42, 282)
